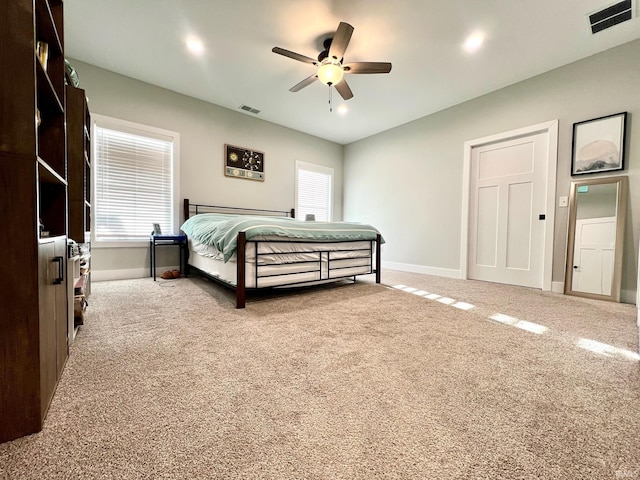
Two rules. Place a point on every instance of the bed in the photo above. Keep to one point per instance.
(255, 249)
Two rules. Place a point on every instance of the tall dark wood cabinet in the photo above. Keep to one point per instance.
(33, 212)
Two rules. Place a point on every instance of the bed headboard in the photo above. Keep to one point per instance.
(190, 209)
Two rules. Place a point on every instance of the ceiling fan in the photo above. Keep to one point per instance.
(330, 67)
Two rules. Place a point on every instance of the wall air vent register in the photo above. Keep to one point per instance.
(610, 16)
(249, 109)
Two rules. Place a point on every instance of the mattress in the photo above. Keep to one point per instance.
(281, 263)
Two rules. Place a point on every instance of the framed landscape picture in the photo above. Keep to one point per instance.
(598, 144)
(243, 163)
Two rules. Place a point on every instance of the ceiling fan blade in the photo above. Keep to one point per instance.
(340, 41)
(294, 55)
(343, 89)
(304, 83)
(367, 67)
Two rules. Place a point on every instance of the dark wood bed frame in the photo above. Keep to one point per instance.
(240, 288)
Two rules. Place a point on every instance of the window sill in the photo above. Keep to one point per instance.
(121, 244)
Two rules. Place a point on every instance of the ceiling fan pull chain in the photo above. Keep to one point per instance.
(330, 99)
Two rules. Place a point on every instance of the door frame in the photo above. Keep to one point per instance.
(551, 129)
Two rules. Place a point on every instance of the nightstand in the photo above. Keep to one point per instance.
(164, 240)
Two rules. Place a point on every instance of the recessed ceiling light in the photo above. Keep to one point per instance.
(342, 109)
(195, 45)
(473, 42)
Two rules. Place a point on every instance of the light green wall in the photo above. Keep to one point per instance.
(204, 128)
(408, 181)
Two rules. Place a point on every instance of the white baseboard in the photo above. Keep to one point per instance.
(557, 287)
(104, 275)
(407, 267)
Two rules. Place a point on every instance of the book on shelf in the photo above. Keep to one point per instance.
(42, 50)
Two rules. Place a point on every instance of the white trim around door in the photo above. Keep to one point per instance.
(551, 130)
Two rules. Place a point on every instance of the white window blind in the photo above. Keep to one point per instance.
(134, 183)
(314, 191)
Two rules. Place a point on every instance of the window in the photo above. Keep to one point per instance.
(314, 187)
(135, 180)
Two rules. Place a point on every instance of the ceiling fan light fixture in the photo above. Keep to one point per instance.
(195, 45)
(473, 42)
(329, 67)
(330, 73)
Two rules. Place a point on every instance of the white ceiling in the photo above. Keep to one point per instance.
(145, 39)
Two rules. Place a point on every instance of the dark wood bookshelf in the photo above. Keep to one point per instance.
(33, 191)
(78, 163)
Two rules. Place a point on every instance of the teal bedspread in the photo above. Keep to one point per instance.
(221, 230)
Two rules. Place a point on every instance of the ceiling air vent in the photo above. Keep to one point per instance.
(610, 16)
(249, 109)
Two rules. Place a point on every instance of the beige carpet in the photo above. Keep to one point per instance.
(168, 380)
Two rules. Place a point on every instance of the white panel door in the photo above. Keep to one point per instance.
(507, 197)
(593, 255)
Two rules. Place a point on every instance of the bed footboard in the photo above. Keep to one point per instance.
(241, 272)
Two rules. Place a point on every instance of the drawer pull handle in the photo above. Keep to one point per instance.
(59, 279)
